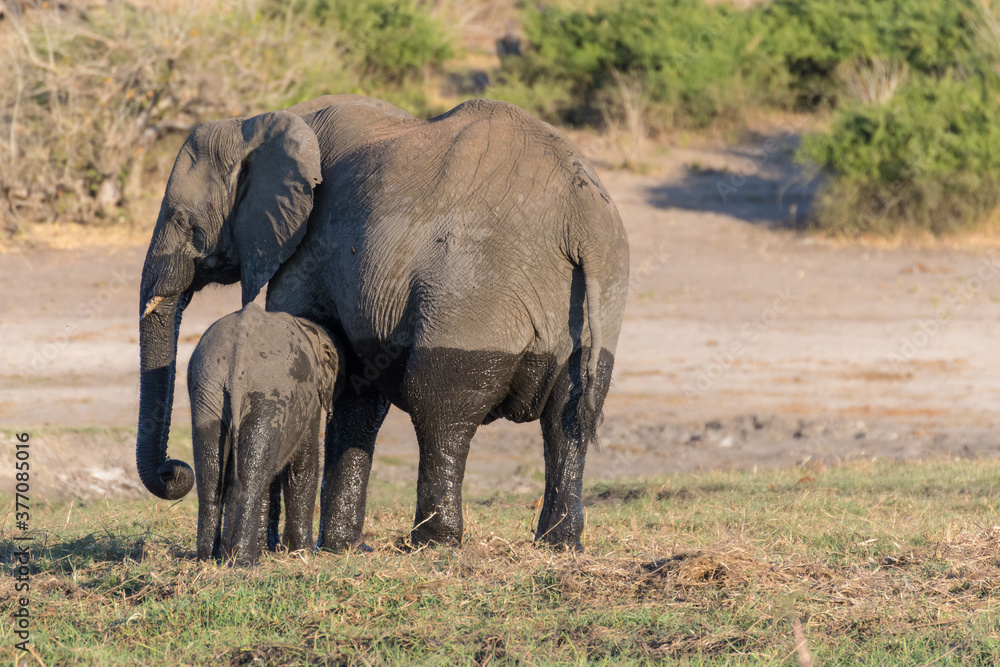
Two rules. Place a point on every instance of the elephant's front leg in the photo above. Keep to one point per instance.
(350, 445)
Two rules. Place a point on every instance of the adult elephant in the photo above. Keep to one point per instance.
(473, 265)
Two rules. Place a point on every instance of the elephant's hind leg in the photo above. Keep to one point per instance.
(350, 445)
(299, 481)
(210, 444)
(449, 393)
(252, 481)
(568, 428)
(444, 448)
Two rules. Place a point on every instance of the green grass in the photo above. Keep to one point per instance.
(885, 564)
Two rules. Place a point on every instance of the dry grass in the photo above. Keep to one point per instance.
(873, 81)
(625, 120)
(864, 565)
(88, 95)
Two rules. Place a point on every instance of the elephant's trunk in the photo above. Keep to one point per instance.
(165, 478)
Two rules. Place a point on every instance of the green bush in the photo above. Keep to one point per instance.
(929, 159)
(812, 39)
(689, 57)
(915, 139)
(709, 62)
(391, 40)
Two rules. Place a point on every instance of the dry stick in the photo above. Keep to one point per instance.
(14, 114)
(805, 660)
(36, 656)
(942, 656)
(25, 39)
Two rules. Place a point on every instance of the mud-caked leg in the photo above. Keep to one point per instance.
(561, 521)
(252, 483)
(448, 394)
(568, 429)
(350, 445)
(209, 451)
(299, 480)
(444, 448)
(244, 543)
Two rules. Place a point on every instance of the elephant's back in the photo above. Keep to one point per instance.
(348, 124)
(468, 226)
(254, 348)
(519, 175)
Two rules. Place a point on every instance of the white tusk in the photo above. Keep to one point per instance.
(151, 305)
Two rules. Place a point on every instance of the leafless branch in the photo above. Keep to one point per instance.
(805, 660)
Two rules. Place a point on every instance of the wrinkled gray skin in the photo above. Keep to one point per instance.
(473, 266)
(258, 383)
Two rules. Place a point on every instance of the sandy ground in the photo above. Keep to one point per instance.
(744, 344)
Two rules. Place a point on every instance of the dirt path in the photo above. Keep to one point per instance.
(743, 345)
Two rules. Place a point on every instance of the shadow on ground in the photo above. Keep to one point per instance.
(759, 183)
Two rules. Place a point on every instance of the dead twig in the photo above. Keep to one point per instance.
(805, 660)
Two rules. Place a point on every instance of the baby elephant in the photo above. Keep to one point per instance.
(258, 383)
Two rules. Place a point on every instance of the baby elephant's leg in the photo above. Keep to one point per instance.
(299, 480)
(209, 452)
(269, 534)
(255, 453)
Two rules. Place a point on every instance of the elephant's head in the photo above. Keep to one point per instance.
(235, 208)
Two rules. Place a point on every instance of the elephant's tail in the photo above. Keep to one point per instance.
(596, 339)
(232, 447)
(228, 479)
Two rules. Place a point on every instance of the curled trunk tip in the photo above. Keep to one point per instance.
(172, 481)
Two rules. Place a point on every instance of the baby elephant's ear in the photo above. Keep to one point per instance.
(330, 374)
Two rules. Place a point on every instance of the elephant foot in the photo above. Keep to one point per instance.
(421, 537)
(241, 561)
(359, 547)
(563, 534)
(341, 545)
(572, 545)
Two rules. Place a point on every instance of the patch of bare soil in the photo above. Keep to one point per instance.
(745, 344)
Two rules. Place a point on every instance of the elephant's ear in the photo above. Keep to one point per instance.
(275, 195)
(330, 373)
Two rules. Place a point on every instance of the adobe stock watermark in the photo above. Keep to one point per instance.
(652, 263)
(389, 352)
(747, 334)
(929, 328)
(47, 352)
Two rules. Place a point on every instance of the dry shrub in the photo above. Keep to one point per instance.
(624, 109)
(82, 97)
(705, 568)
(86, 93)
(874, 80)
